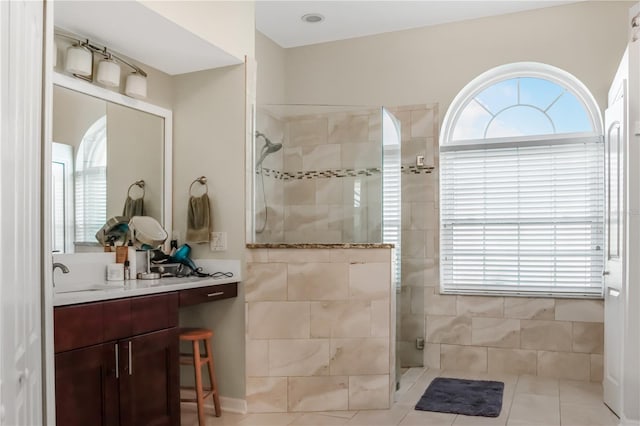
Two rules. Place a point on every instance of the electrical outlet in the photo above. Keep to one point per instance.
(218, 241)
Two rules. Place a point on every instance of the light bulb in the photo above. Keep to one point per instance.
(79, 61)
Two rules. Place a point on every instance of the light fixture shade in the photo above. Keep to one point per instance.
(136, 86)
(108, 73)
(79, 61)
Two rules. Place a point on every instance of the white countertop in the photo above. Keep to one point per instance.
(117, 290)
(86, 282)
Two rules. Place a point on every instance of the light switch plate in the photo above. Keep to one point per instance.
(420, 160)
(218, 241)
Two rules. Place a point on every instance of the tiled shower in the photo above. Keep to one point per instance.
(326, 186)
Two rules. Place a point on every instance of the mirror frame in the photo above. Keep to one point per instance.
(90, 89)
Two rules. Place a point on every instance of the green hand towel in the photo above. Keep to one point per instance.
(199, 219)
(133, 207)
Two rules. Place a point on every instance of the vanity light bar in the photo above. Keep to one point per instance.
(79, 62)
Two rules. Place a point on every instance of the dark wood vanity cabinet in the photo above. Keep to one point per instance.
(117, 362)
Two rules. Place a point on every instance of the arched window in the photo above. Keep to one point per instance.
(91, 182)
(521, 187)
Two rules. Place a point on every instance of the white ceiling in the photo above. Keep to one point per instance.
(130, 28)
(281, 20)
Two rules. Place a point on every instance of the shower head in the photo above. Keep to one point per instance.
(268, 148)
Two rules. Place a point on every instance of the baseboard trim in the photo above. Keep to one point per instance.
(233, 405)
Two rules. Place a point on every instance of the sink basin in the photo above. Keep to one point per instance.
(97, 287)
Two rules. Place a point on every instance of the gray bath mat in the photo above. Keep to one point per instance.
(460, 396)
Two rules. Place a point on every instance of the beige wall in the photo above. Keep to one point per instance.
(73, 114)
(228, 25)
(271, 71)
(209, 138)
(433, 64)
(135, 151)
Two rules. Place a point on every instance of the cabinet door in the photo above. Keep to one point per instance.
(87, 386)
(149, 382)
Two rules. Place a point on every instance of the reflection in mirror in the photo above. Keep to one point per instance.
(99, 150)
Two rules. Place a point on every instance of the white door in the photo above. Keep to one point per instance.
(21, 39)
(615, 225)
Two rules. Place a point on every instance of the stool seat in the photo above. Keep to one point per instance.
(197, 359)
(191, 334)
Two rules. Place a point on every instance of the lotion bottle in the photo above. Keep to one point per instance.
(132, 258)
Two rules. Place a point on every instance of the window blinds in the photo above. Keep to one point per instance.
(391, 206)
(523, 219)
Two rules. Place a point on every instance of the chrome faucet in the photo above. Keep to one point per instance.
(62, 267)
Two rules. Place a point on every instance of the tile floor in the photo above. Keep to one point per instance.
(527, 401)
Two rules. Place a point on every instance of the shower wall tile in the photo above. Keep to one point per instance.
(327, 192)
(438, 304)
(495, 332)
(579, 310)
(297, 192)
(414, 244)
(321, 157)
(266, 394)
(369, 281)
(424, 215)
(305, 132)
(273, 320)
(341, 318)
(332, 344)
(361, 155)
(348, 128)
(422, 123)
(529, 308)
(292, 159)
(380, 318)
(405, 123)
(480, 306)
(588, 337)
(448, 329)
(266, 281)
(359, 356)
(368, 392)
(298, 357)
(465, 358)
(412, 148)
(318, 281)
(318, 393)
(301, 218)
(411, 327)
(546, 335)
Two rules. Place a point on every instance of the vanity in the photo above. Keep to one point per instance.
(116, 350)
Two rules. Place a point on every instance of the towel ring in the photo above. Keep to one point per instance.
(202, 180)
(140, 184)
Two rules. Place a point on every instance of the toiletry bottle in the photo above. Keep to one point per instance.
(127, 271)
(131, 257)
(121, 254)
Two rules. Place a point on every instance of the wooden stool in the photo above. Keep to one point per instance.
(195, 336)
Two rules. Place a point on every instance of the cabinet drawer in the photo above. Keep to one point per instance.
(77, 326)
(208, 294)
(151, 313)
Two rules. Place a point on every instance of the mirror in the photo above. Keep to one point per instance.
(107, 150)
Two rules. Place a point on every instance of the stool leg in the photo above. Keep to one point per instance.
(212, 379)
(198, 371)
